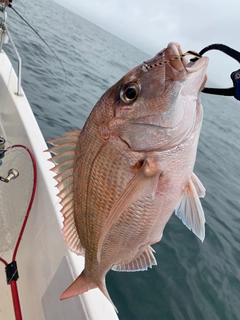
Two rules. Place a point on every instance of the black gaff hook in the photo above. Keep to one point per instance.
(235, 76)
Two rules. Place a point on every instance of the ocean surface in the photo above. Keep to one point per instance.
(192, 280)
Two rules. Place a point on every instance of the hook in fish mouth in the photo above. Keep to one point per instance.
(197, 56)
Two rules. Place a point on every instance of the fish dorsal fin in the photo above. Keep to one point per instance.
(137, 187)
(189, 208)
(64, 150)
(142, 262)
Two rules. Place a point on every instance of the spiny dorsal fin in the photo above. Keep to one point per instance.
(64, 151)
(70, 137)
(142, 262)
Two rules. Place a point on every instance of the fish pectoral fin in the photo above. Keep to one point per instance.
(141, 262)
(189, 208)
(143, 183)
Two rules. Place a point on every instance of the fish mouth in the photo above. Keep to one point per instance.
(174, 50)
(173, 57)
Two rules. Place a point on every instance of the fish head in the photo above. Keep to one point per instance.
(154, 102)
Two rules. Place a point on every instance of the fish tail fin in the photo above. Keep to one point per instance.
(83, 284)
(79, 286)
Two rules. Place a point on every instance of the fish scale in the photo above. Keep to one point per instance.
(100, 192)
(131, 228)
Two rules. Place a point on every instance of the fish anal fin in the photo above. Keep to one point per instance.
(141, 262)
(139, 186)
(64, 150)
(189, 208)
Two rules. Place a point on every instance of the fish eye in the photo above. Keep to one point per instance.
(129, 93)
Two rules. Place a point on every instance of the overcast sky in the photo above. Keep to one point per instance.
(151, 24)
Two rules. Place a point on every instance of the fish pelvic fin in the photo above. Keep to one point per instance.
(83, 284)
(63, 151)
(189, 208)
(141, 262)
(139, 186)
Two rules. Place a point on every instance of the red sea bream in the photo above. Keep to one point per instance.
(131, 167)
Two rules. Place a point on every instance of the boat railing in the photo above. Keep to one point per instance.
(4, 36)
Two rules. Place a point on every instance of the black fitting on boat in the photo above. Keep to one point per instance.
(11, 272)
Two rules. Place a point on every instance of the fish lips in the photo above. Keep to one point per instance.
(171, 59)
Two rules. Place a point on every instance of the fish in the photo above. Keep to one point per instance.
(130, 168)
